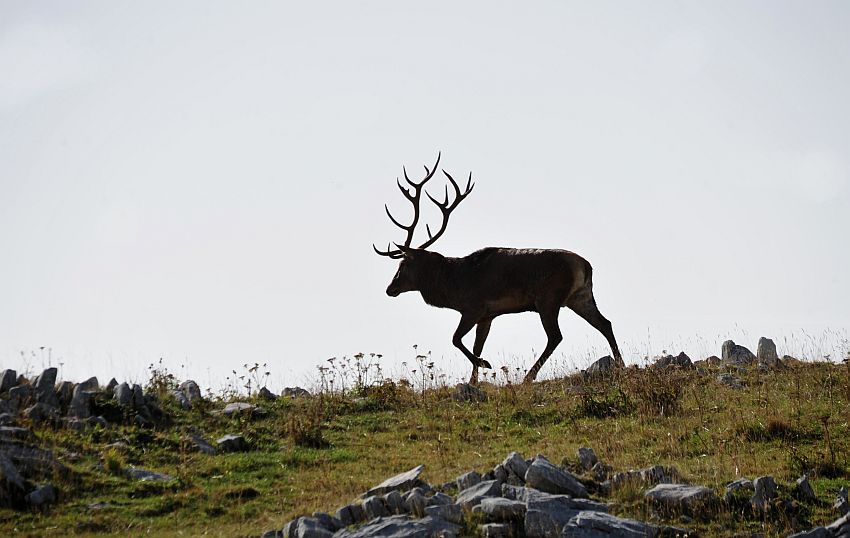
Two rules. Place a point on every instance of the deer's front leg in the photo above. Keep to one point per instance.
(466, 323)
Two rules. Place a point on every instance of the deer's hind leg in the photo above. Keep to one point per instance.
(584, 305)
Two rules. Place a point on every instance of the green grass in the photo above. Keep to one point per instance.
(781, 423)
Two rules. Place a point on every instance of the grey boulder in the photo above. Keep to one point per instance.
(402, 527)
(602, 525)
(548, 478)
(682, 498)
(400, 482)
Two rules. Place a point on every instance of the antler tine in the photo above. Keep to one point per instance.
(447, 207)
(389, 253)
(397, 223)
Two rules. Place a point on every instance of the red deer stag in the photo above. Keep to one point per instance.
(492, 281)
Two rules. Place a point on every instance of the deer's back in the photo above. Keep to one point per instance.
(515, 280)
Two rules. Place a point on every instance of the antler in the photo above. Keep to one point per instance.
(445, 206)
(413, 197)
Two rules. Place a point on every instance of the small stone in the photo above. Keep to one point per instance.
(803, 490)
(765, 491)
(402, 526)
(587, 458)
(111, 385)
(601, 367)
(64, 393)
(841, 504)
(496, 530)
(143, 475)
(42, 495)
(191, 391)
(295, 392)
(201, 445)
(21, 396)
(467, 480)
(741, 484)
(465, 392)
(546, 477)
(500, 474)
(290, 529)
(232, 443)
(600, 471)
(138, 396)
(266, 394)
(547, 514)
(729, 380)
(237, 408)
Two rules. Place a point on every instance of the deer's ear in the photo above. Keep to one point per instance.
(406, 251)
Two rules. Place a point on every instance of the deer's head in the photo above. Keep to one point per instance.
(415, 261)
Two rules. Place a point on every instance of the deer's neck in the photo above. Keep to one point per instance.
(439, 287)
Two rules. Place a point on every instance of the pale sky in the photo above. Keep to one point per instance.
(202, 181)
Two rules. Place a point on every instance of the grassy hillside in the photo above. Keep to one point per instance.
(309, 454)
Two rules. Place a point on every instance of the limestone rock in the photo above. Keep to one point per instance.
(42, 495)
(91, 384)
(401, 482)
(415, 502)
(841, 504)
(351, 514)
(587, 458)
(144, 475)
(499, 509)
(402, 527)
(232, 443)
(452, 513)
(8, 379)
(803, 490)
(766, 352)
(732, 353)
(600, 525)
(467, 480)
(473, 495)
(295, 392)
(601, 367)
(681, 360)
(80, 402)
(548, 478)
(310, 527)
(44, 385)
(547, 514)
(496, 530)
(732, 488)
(266, 394)
(682, 498)
(374, 507)
(729, 380)
(200, 444)
(515, 465)
(123, 394)
(465, 392)
(765, 491)
(237, 408)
